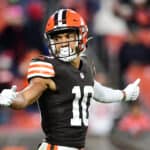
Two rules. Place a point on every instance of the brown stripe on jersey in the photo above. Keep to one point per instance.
(54, 147)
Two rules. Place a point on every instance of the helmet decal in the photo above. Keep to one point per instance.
(60, 18)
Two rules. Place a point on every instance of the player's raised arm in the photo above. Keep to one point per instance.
(19, 100)
(39, 77)
(107, 95)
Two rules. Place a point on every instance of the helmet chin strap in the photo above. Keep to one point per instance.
(67, 54)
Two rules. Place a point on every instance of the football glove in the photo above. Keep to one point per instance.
(7, 96)
(131, 92)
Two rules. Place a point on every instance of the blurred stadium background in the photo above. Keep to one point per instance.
(121, 53)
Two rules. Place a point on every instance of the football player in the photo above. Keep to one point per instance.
(63, 84)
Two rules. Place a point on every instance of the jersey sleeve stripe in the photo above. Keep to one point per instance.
(40, 73)
(41, 63)
(40, 69)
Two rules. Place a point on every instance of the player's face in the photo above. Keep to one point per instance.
(63, 40)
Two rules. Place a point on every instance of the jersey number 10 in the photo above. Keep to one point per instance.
(79, 117)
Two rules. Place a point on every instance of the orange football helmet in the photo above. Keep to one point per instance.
(64, 20)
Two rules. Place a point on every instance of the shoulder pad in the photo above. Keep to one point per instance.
(39, 67)
(90, 63)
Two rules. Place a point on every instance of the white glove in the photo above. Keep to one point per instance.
(7, 96)
(132, 91)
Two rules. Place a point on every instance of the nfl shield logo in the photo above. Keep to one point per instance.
(82, 75)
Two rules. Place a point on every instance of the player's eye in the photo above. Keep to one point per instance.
(57, 38)
(71, 36)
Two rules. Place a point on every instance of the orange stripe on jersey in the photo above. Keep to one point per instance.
(55, 147)
(41, 65)
(41, 72)
(48, 147)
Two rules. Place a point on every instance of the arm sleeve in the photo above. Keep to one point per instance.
(40, 68)
(106, 94)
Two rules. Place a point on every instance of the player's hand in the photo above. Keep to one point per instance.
(7, 96)
(132, 91)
